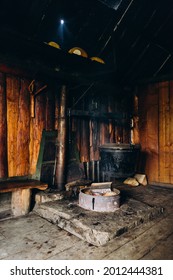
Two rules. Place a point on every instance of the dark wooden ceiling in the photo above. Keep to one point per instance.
(134, 37)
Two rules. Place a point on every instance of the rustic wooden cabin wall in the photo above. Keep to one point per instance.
(3, 128)
(20, 134)
(156, 131)
(98, 119)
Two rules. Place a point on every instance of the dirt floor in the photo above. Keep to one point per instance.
(32, 237)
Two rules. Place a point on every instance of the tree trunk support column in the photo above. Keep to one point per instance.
(61, 142)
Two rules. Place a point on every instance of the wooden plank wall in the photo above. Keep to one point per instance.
(3, 128)
(156, 131)
(23, 133)
(17, 125)
(20, 133)
(171, 130)
(91, 132)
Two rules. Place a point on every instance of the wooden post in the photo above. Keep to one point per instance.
(32, 98)
(3, 128)
(61, 142)
(20, 202)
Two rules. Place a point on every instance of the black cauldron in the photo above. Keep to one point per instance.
(118, 160)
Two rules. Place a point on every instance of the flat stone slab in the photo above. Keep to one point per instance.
(95, 227)
(42, 196)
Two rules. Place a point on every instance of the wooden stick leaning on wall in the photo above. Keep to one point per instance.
(33, 94)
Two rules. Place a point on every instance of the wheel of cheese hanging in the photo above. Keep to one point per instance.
(98, 59)
(78, 51)
(53, 44)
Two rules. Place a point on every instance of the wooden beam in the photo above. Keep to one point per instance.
(43, 60)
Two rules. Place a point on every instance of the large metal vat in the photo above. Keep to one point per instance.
(118, 160)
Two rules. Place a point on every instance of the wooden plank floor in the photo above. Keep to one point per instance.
(32, 237)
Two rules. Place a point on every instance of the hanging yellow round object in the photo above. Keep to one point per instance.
(78, 51)
(53, 44)
(98, 59)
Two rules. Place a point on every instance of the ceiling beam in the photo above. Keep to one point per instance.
(41, 59)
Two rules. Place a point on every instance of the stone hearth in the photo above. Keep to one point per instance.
(95, 227)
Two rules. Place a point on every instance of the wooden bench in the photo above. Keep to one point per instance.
(21, 193)
(21, 186)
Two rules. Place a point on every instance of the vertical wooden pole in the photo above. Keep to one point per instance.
(61, 142)
(3, 128)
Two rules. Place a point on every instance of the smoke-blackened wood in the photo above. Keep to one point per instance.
(94, 140)
(3, 128)
(104, 133)
(84, 150)
(91, 127)
(50, 111)
(77, 134)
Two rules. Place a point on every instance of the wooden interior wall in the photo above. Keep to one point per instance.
(156, 131)
(20, 132)
(3, 128)
(93, 127)
(23, 133)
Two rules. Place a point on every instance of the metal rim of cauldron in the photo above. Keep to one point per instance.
(116, 191)
(116, 146)
(99, 203)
